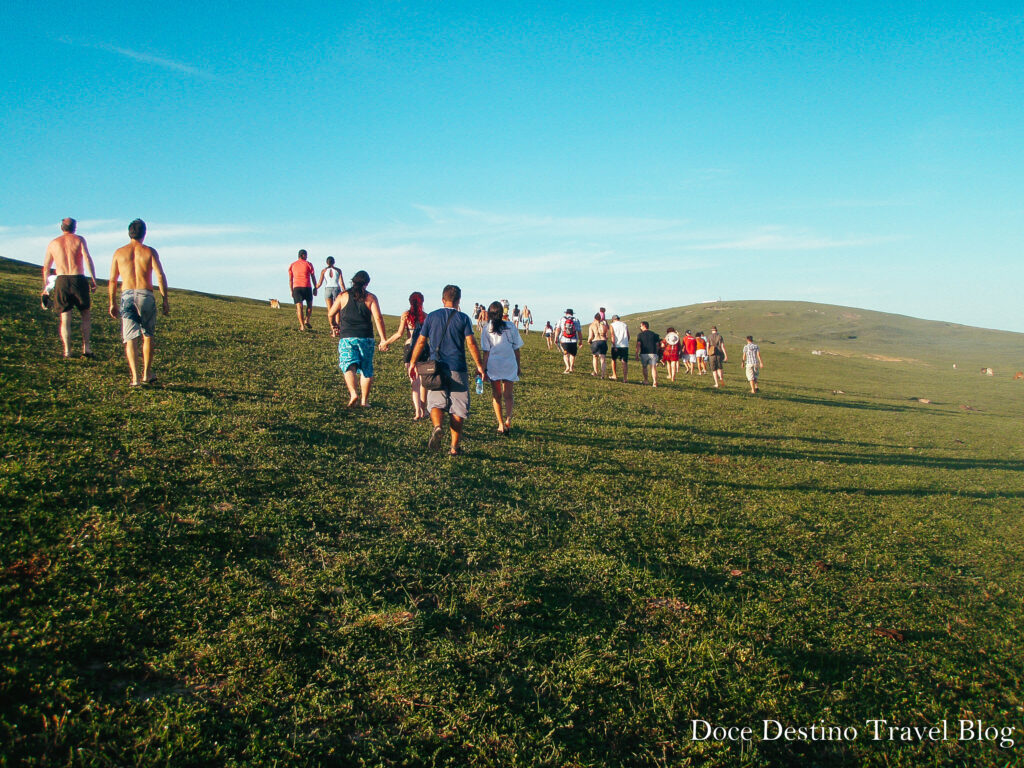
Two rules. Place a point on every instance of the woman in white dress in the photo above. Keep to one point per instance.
(500, 342)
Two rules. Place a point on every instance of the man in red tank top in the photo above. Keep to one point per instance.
(300, 282)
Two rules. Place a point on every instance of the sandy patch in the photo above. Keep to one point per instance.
(878, 358)
(887, 359)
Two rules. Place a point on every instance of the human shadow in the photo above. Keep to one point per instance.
(758, 447)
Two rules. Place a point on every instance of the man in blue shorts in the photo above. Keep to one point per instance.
(135, 264)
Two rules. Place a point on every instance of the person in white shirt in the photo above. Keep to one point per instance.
(752, 363)
(500, 343)
(620, 347)
(332, 277)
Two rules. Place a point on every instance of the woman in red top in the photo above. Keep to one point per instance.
(410, 324)
(670, 352)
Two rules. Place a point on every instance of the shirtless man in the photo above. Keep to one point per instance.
(69, 255)
(134, 264)
(597, 337)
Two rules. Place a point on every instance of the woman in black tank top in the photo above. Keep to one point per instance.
(355, 320)
(357, 312)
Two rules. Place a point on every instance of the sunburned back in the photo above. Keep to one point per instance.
(135, 265)
(68, 253)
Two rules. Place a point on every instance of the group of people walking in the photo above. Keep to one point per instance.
(699, 353)
(132, 268)
(443, 336)
(303, 286)
(520, 318)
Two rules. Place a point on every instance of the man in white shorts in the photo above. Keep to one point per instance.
(752, 363)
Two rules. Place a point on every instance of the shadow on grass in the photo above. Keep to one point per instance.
(835, 403)
(820, 665)
(213, 393)
(758, 449)
(880, 492)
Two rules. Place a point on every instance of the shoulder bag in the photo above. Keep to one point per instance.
(434, 373)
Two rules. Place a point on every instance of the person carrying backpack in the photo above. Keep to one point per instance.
(568, 337)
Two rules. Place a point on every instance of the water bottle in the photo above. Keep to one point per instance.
(479, 384)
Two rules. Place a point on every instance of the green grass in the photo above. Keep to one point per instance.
(233, 569)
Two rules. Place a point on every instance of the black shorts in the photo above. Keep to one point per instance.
(620, 353)
(407, 353)
(72, 292)
(300, 295)
(716, 362)
(570, 347)
(599, 347)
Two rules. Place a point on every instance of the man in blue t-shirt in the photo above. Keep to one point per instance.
(448, 331)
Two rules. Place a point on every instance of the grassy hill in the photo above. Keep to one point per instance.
(233, 569)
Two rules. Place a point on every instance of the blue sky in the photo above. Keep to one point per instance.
(629, 155)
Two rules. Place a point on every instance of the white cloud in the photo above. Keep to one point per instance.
(780, 239)
(145, 58)
(463, 221)
(549, 262)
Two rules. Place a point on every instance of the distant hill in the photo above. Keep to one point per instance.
(846, 331)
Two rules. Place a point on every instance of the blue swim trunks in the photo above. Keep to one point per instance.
(138, 313)
(357, 352)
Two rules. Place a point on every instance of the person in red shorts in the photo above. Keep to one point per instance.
(301, 277)
(670, 350)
